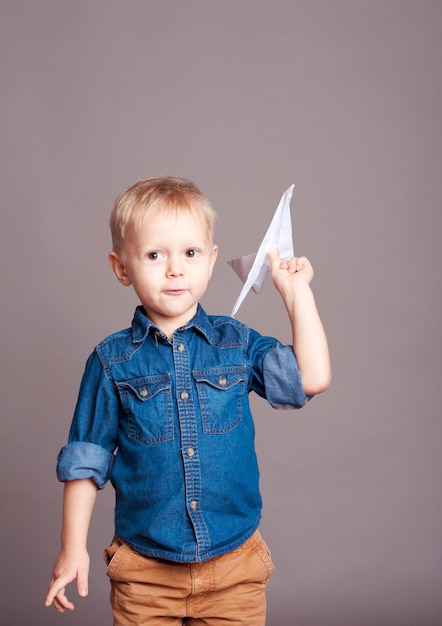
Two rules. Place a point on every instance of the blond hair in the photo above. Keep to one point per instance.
(161, 193)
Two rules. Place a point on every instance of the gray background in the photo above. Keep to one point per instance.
(341, 97)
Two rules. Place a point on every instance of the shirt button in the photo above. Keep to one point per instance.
(143, 392)
(193, 505)
(190, 452)
(184, 396)
(180, 347)
(222, 381)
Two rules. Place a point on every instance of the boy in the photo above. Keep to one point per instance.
(163, 412)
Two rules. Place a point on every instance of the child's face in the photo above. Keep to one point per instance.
(169, 262)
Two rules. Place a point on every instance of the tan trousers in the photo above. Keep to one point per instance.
(227, 590)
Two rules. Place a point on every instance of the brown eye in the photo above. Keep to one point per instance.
(155, 255)
(192, 253)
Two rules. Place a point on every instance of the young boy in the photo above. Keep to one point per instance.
(163, 412)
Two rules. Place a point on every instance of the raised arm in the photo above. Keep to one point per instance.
(292, 279)
(73, 561)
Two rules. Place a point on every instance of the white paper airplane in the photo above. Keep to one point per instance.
(252, 268)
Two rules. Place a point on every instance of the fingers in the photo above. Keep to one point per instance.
(57, 591)
(57, 596)
(61, 603)
(295, 264)
(290, 272)
(71, 564)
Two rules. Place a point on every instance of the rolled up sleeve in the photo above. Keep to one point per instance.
(282, 379)
(81, 459)
(93, 433)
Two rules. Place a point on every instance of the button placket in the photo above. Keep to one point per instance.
(189, 440)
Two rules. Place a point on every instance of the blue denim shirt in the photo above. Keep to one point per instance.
(170, 424)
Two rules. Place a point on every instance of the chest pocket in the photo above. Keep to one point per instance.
(147, 402)
(220, 393)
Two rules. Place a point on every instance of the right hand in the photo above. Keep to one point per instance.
(71, 564)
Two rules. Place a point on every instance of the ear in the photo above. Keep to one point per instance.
(119, 269)
(213, 259)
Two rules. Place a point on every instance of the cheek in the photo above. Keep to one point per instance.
(145, 282)
(207, 273)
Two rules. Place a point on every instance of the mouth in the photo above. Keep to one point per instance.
(175, 292)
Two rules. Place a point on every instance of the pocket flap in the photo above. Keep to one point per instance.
(146, 387)
(222, 378)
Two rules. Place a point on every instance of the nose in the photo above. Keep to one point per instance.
(174, 267)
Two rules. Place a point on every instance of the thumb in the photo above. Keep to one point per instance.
(274, 258)
(82, 582)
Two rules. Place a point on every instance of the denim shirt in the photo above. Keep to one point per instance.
(169, 423)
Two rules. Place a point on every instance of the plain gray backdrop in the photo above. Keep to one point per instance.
(342, 98)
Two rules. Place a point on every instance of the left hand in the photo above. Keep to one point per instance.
(286, 274)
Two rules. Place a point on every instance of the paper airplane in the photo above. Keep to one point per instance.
(252, 268)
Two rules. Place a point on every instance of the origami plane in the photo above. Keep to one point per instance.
(252, 268)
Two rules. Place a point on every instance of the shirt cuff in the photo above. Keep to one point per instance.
(283, 379)
(81, 459)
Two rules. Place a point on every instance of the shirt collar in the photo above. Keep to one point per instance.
(141, 325)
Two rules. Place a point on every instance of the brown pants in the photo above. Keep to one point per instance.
(225, 590)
